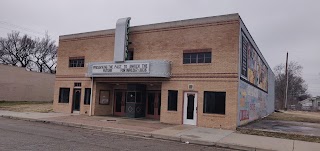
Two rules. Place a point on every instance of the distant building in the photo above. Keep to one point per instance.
(207, 72)
(17, 84)
(311, 104)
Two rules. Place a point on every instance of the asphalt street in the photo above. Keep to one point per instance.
(18, 135)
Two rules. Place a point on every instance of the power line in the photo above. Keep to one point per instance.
(5, 28)
(10, 29)
(22, 28)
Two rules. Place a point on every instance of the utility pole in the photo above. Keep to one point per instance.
(287, 83)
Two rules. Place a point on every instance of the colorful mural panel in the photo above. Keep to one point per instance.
(252, 103)
(253, 69)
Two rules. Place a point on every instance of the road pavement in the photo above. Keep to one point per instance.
(21, 135)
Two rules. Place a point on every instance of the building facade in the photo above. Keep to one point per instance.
(206, 72)
(17, 84)
(311, 104)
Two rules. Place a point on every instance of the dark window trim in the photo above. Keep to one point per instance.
(176, 108)
(85, 94)
(59, 100)
(225, 101)
(194, 58)
(76, 58)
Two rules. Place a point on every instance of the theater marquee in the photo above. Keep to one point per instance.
(121, 68)
(130, 68)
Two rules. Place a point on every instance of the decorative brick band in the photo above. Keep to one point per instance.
(212, 76)
(173, 74)
(156, 30)
(186, 27)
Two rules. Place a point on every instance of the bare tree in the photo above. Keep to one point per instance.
(297, 88)
(16, 50)
(45, 55)
(33, 54)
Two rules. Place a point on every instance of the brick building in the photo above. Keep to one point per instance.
(206, 72)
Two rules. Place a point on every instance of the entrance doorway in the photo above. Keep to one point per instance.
(153, 104)
(76, 100)
(119, 102)
(190, 108)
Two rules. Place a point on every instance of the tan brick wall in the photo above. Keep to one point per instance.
(153, 45)
(67, 107)
(99, 109)
(17, 84)
(94, 50)
(227, 121)
(167, 44)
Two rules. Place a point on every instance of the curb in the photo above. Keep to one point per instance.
(195, 141)
(141, 134)
(166, 137)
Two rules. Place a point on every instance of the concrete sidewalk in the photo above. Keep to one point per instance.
(155, 129)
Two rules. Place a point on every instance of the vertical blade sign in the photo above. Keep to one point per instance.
(121, 39)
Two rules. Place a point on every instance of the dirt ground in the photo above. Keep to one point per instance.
(43, 107)
(306, 138)
(296, 125)
(297, 116)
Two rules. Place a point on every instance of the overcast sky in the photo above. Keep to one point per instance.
(277, 26)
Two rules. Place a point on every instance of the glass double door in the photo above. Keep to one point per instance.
(153, 104)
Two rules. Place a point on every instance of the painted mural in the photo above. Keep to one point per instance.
(252, 103)
(254, 69)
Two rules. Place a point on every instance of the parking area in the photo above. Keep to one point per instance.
(287, 124)
(303, 128)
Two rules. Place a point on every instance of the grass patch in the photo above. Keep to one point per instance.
(293, 117)
(26, 106)
(280, 135)
(14, 103)
(45, 111)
